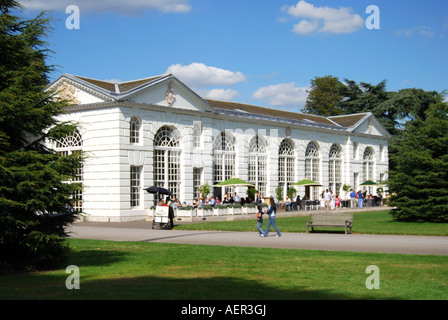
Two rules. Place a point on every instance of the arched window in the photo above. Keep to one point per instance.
(72, 143)
(257, 164)
(224, 161)
(134, 130)
(167, 160)
(334, 169)
(368, 164)
(312, 162)
(285, 165)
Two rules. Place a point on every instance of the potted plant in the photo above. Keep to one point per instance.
(346, 188)
(279, 193)
(249, 208)
(189, 212)
(205, 190)
(205, 211)
(219, 210)
(234, 209)
(251, 191)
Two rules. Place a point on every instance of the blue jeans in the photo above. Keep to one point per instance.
(259, 224)
(360, 203)
(272, 221)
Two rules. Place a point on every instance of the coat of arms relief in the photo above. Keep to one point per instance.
(169, 95)
(67, 92)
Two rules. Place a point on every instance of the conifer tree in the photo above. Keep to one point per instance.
(419, 181)
(35, 188)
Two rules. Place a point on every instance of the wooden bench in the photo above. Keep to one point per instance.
(332, 220)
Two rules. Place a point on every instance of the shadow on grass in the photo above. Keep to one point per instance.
(48, 287)
(97, 257)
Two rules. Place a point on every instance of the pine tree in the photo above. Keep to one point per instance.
(419, 182)
(34, 190)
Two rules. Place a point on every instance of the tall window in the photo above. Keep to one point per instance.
(197, 180)
(312, 165)
(197, 134)
(167, 160)
(334, 169)
(285, 165)
(134, 130)
(224, 161)
(257, 164)
(73, 144)
(368, 164)
(135, 183)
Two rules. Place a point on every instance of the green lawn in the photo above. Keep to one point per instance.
(140, 270)
(373, 222)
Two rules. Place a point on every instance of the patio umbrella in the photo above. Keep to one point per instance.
(369, 183)
(307, 183)
(158, 190)
(234, 182)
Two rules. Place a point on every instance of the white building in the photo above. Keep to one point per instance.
(157, 131)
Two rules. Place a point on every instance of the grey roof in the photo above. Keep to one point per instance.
(121, 91)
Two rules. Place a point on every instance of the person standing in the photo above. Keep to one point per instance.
(353, 199)
(169, 203)
(236, 198)
(327, 199)
(271, 213)
(360, 199)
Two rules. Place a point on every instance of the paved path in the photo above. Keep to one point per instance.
(141, 231)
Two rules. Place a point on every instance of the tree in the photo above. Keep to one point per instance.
(324, 97)
(330, 97)
(419, 181)
(35, 188)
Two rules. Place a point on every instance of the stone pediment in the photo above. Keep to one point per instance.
(165, 91)
(370, 125)
(75, 92)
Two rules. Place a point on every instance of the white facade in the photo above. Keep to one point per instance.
(157, 131)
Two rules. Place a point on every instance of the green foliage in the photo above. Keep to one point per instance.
(419, 182)
(324, 97)
(186, 208)
(279, 193)
(251, 193)
(34, 189)
(291, 192)
(330, 97)
(205, 189)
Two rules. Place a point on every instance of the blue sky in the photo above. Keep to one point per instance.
(262, 52)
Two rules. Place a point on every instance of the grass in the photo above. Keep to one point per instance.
(374, 222)
(157, 271)
(140, 270)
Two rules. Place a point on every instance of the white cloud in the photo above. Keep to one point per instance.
(283, 94)
(200, 75)
(305, 27)
(219, 94)
(128, 7)
(420, 30)
(323, 19)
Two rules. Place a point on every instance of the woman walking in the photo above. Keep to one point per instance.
(271, 213)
